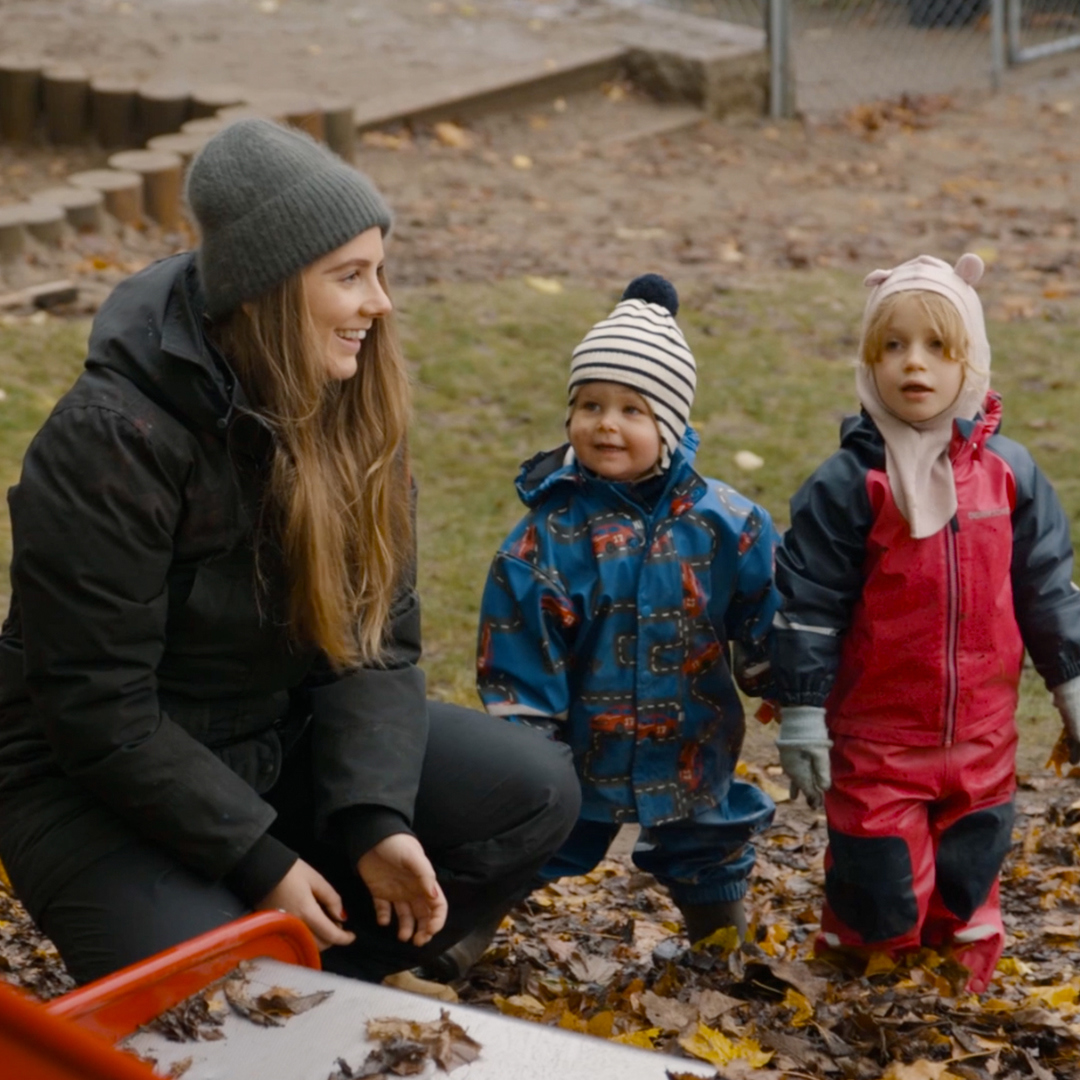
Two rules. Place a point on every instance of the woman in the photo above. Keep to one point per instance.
(209, 698)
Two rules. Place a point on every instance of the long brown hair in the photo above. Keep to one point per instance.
(338, 492)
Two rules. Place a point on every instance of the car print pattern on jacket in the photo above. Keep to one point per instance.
(609, 623)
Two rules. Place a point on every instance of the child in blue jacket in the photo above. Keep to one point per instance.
(610, 611)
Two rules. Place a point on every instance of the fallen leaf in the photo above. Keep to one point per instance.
(716, 1048)
(547, 286)
(668, 1014)
(450, 134)
(748, 461)
(406, 980)
(919, 1070)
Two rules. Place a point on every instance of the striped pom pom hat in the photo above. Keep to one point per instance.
(639, 345)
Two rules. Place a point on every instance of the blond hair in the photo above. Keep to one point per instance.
(942, 315)
(337, 497)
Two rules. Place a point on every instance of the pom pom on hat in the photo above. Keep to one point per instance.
(640, 345)
(653, 289)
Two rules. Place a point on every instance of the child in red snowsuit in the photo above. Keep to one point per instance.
(923, 557)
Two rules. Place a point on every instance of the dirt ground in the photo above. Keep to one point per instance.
(586, 189)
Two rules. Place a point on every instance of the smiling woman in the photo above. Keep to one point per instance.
(209, 691)
(345, 294)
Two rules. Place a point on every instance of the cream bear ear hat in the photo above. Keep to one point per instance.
(917, 455)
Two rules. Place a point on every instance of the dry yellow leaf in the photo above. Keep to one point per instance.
(726, 939)
(1054, 997)
(451, 134)
(772, 943)
(919, 1070)
(521, 161)
(383, 140)
(644, 1039)
(602, 1024)
(572, 1022)
(1059, 756)
(1010, 966)
(879, 964)
(524, 1006)
(716, 1048)
(803, 1010)
(406, 980)
(547, 286)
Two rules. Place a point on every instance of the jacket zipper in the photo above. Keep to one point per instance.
(952, 629)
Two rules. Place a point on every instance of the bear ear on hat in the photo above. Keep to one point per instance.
(876, 277)
(969, 268)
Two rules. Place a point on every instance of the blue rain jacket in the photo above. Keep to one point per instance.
(611, 625)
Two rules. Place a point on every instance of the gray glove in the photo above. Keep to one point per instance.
(1067, 700)
(804, 751)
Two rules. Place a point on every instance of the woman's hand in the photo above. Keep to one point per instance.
(401, 881)
(305, 893)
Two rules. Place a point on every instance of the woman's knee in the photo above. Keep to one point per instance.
(130, 905)
(546, 784)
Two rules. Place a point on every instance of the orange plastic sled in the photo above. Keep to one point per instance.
(71, 1037)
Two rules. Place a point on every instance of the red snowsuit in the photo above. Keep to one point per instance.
(914, 648)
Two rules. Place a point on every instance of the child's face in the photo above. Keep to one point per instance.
(613, 432)
(914, 377)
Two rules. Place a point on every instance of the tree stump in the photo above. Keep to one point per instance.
(44, 221)
(241, 112)
(112, 110)
(82, 205)
(162, 175)
(206, 100)
(163, 107)
(65, 91)
(184, 144)
(340, 127)
(297, 110)
(20, 98)
(12, 232)
(122, 191)
(202, 125)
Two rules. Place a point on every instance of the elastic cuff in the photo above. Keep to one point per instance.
(708, 894)
(359, 828)
(266, 862)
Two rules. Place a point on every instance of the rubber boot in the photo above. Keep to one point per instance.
(453, 964)
(705, 919)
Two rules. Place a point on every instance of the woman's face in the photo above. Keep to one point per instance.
(344, 298)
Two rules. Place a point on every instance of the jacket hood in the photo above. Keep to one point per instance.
(552, 468)
(151, 330)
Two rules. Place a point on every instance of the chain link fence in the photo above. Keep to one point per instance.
(841, 53)
(1038, 28)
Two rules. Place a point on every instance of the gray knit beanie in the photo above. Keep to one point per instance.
(269, 201)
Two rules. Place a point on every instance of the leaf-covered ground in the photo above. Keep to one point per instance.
(604, 954)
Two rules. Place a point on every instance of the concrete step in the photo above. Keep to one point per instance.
(715, 66)
(494, 91)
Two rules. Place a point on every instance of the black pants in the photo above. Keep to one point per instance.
(495, 801)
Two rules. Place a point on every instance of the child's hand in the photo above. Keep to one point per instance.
(1067, 700)
(804, 745)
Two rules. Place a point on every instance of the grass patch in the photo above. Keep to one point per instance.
(490, 364)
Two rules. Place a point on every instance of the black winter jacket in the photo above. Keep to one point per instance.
(145, 686)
